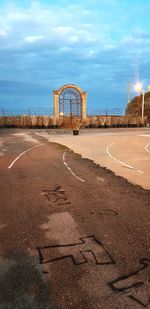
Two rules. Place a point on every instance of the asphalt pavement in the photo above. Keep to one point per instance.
(72, 233)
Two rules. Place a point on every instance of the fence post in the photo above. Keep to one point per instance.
(3, 111)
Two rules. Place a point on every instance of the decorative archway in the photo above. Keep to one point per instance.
(70, 101)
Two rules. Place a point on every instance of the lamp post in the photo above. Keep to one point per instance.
(143, 97)
(128, 93)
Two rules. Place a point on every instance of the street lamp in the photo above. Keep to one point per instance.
(138, 87)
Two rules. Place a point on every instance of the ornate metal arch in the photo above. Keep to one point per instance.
(70, 101)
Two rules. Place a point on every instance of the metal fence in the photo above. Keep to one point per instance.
(105, 112)
(26, 112)
(49, 112)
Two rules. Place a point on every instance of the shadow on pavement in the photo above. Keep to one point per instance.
(21, 283)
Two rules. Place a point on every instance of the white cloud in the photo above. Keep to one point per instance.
(3, 33)
(32, 38)
(55, 24)
(65, 49)
(63, 30)
(74, 38)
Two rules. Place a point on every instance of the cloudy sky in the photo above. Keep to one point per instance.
(98, 45)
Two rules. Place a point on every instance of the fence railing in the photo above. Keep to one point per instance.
(105, 111)
(26, 112)
(49, 112)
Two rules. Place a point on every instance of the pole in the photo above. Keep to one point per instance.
(71, 113)
(128, 92)
(3, 118)
(143, 95)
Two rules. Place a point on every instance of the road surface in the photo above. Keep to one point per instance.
(72, 234)
(124, 151)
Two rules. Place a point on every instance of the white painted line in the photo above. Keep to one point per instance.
(118, 161)
(140, 171)
(69, 169)
(146, 147)
(13, 162)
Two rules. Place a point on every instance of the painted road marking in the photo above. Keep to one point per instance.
(69, 169)
(118, 161)
(146, 147)
(13, 162)
(65, 163)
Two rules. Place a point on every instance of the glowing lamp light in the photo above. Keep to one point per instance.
(138, 87)
(148, 87)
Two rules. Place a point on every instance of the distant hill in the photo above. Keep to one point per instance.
(134, 108)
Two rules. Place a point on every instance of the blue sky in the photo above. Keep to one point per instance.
(99, 45)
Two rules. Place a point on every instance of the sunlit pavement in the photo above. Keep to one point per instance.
(124, 151)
